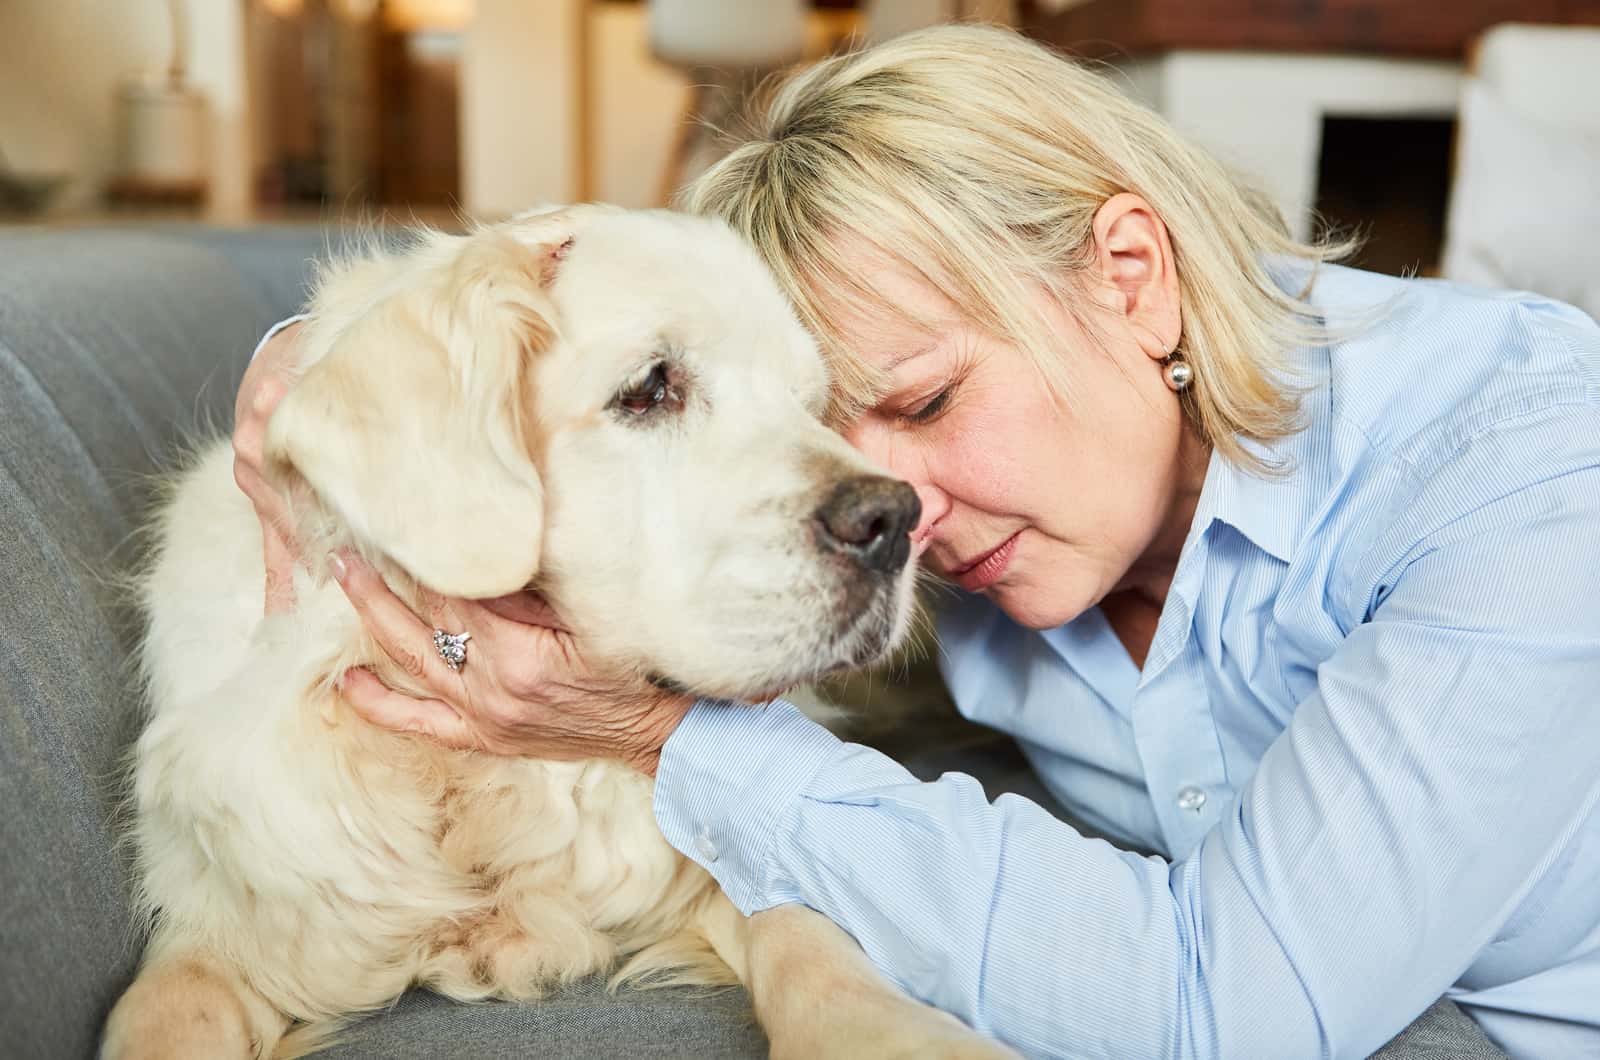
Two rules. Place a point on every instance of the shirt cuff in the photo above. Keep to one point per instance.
(728, 777)
(274, 329)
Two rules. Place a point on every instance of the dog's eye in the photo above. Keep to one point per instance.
(654, 389)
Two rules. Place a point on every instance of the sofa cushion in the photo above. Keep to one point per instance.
(582, 1022)
(113, 345)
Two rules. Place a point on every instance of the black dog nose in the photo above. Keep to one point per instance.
(870, 519)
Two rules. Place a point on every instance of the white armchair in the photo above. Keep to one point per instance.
(1525, 204)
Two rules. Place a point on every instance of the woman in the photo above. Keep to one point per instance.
(1284, 570)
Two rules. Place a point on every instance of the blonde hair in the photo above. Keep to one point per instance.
(978, 159)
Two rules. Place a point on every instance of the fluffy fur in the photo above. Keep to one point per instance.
(458, 423)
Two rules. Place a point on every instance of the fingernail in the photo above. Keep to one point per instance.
(337, 563)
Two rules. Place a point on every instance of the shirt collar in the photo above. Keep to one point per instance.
(1270, 509)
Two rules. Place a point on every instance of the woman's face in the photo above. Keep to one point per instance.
(1043, 506)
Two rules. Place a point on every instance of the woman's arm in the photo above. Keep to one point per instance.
(1385, 839)
(272, 369)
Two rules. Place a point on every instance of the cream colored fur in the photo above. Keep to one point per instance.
(456, 423)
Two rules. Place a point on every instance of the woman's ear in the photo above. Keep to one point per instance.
(1134, 255)
(415, 429)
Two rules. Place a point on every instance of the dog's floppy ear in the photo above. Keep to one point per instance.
(414, 425)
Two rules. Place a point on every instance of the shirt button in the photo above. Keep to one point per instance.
(705, 847)
(1192, 799)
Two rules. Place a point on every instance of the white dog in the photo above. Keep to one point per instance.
(621, 409)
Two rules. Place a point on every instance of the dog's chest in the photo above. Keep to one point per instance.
(568, 870)
(580, 832)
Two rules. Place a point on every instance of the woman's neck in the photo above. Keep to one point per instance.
(1150, 576)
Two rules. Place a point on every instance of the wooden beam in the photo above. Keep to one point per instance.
(1113, 28)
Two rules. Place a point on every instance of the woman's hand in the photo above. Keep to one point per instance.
(265, 382)
(524, 688)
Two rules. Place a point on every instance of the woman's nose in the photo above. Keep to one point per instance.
(933, 509)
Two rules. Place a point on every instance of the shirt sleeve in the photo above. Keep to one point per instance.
(274, 329)
(1445, 758)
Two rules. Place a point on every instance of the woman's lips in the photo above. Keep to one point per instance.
(986, 569)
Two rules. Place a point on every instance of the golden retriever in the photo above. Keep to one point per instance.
(620, 409)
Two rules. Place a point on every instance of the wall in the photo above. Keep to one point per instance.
(638, 107)
(519, 107)
(1261, 112)
(61, 62)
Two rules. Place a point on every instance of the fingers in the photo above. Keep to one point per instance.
(386, 708)
(403, 636)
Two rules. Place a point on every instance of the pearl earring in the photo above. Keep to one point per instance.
(1176, 372)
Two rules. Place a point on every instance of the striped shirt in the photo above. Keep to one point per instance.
(1365, 741)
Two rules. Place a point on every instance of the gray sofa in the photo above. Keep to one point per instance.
(116, 345)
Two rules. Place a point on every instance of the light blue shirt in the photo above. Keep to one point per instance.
(1366, 740)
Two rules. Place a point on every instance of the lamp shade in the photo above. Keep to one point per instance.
(727, 33)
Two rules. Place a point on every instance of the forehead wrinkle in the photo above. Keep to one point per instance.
(852, 313)
(902, 358)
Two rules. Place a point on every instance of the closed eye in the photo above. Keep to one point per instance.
(931, 408)
(939, 403)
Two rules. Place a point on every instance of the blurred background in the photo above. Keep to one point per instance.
(1462, 138)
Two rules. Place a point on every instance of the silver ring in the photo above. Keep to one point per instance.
(452, 647)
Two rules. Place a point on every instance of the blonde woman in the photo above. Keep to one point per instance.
(1286, 571)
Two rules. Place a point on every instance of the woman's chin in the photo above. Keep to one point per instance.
(1033, 607)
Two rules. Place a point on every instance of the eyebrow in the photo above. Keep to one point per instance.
(897, 361)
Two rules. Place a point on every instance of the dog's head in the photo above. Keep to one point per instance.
(620, 410)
